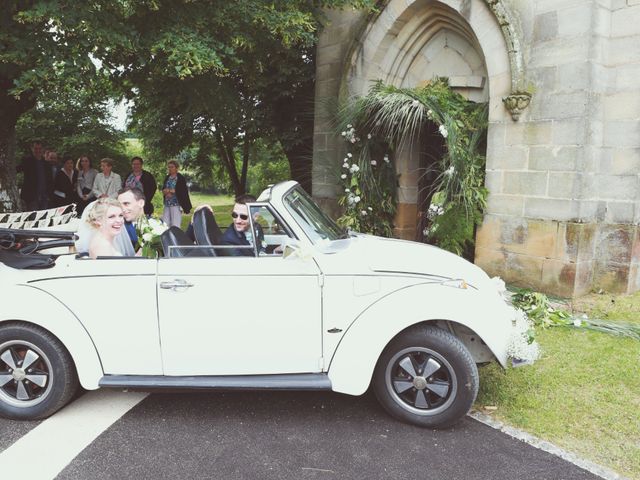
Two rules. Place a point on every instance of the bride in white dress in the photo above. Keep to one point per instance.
(107, 218)
(90, 228)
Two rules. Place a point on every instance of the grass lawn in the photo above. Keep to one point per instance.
(222, 206)
(583, 394)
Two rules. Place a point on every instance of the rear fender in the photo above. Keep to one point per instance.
(356, 355)
(30, 304)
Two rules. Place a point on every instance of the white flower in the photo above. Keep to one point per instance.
(386, 158)
(349, 126)
(577, 322)
(353, 140)
(356, 199)
(369, 136)
(346, 190)
(443, 131)
(348, 156)
(449, 171)
(434, 210)
(499, 284)
(518, 346)
(343, 176)
(147, 236)
(354, 168)
(159, 229)
(344, 134)
(363, 212)
(374, 163)
(345, 165)
(370, 209)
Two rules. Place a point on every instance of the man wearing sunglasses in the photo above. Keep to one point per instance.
(239, 232)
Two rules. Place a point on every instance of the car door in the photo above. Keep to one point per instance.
(115, 300)
(240, 315)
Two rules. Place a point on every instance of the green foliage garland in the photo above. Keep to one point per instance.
(368, 179)
(391, 116)
(543, 314)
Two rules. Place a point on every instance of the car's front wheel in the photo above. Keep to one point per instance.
(426, 376)
(37, 374)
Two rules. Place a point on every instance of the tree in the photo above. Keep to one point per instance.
(44, 46)
(74, 124)
(225, 74)
(145, 48)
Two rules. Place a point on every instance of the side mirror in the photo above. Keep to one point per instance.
(291, 248)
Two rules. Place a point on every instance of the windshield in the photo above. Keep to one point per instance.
(315, 223)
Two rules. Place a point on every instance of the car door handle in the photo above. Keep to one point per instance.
(175, 285)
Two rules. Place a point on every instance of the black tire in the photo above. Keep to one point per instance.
(439, 399)
(48, 380)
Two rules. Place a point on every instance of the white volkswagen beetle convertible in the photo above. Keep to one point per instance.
(334, 311)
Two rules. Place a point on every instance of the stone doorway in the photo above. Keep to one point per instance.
(427, 40)
(432, 148)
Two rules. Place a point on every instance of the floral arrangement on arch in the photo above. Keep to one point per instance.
(369, 182)
(389, 117)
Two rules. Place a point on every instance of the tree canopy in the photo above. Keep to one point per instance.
(225, 71)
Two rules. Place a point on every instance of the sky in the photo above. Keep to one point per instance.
(119, 114)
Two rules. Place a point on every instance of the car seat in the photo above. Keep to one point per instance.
(174, 237)
(207, 231)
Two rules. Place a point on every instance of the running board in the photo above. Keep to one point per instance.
(300, 381)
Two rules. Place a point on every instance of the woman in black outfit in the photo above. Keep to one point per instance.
(64, 184)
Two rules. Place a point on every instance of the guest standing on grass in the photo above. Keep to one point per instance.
(142, 180)
(176, 196)
(34, 191)
(64, 184)
(86, 177)
(52, 167)
(107, 183)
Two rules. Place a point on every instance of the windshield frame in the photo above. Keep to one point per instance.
(312, 217)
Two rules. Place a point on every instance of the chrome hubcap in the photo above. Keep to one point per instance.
(19, 374)
(421, 381)
(25, 374)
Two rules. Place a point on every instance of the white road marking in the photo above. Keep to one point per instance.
(52, 445)
(545, 446)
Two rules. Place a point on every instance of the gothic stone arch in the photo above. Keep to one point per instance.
(409, 43)
(556, 219)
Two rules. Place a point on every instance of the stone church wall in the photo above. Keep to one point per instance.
(564, 183)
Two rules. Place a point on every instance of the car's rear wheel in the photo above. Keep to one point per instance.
(37, 374)
(426, 376)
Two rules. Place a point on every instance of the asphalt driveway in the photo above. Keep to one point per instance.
(291, 435)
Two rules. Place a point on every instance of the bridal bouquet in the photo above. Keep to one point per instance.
(149, 231)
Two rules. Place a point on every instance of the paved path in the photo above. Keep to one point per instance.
(261, 435)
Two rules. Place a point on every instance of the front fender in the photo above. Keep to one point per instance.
(355, 357)
(30, 304)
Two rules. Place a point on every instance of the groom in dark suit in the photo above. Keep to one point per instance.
(133, 201)
(239, 232)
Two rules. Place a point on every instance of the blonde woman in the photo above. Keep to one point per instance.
(107, 220)
(107, 183)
